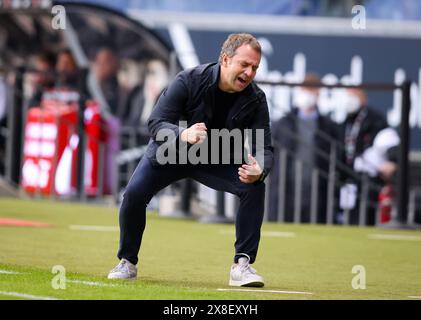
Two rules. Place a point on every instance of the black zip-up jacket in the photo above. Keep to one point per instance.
(190, 97)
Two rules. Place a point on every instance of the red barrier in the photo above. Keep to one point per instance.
(50, 148)
(386, 197)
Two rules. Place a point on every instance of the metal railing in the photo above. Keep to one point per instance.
(133, 150)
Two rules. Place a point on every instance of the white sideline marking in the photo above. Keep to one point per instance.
(398, 237)
(9, 272)
(91, 283)
(275, 234)
(279, 234)
(270, 291)
(94, 228)
(414, 297)
(25, 296)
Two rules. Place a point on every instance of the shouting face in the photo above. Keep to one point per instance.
(238, 71)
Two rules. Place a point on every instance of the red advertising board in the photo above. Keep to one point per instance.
(50, 148)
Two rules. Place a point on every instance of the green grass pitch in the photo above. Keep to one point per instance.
(183, 259)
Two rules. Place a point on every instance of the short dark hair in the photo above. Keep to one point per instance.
(48, 57)
(67, 52)
(236, 40)
(313, 81)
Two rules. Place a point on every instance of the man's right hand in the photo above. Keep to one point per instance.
(195, 134)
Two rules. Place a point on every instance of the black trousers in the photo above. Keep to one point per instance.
(149, 179)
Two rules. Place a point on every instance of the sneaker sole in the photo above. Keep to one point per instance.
(257, 284)
(122, 278)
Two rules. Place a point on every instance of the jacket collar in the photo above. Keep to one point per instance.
(245, 97)
(216, 69)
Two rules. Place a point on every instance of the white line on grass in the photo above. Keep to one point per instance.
(91, 283)
(280, 234)
(398, 237)
(25, 296)
(94, 228)
(9, 272)
(414, 297)
(264, 291)
(274, 234)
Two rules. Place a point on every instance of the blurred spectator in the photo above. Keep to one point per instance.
(42, 77)
(67, 71)
(142, 98)
(105, 90)
(105, 70)
(394, 10)
(339, 8)
(358, 132)
(306, 136)
(3, 115)
(376, 9)
(305, 7)
(381, 161)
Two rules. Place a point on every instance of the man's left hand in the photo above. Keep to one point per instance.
(250, 173)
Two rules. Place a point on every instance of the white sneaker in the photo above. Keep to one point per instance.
(243, 275)
(124, 270)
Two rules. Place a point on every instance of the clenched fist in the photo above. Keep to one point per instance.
(195, 134)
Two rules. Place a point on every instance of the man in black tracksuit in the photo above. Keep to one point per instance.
(306, 136)
(317, 139)
(213, 96)
(357, 132)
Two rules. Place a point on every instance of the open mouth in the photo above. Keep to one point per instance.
(242, 81)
